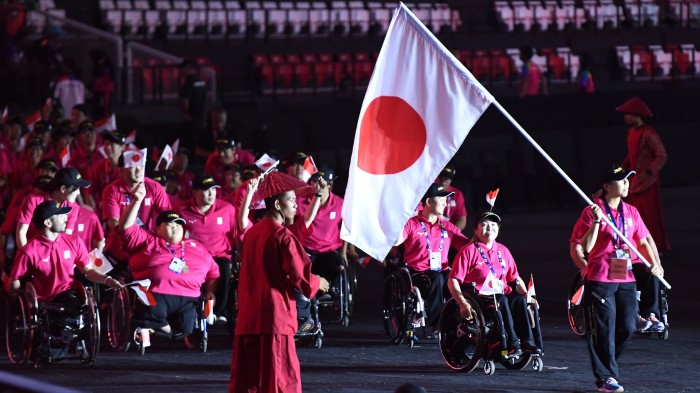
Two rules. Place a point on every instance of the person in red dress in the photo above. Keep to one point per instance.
(273, 264)
(646, 155)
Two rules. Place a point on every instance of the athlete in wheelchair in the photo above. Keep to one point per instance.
(176, 266)
(426, 239)
(490, 315)
(52, 316)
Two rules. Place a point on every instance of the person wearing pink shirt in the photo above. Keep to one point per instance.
(177, 266)
(212, 222)
(88, 228)
(427, 238)
(456, 210)
(489, 264)
(610, 293)
(26, 170)
(226, 154)
(107, 170)
(117, 197)
(64, 188)
(49, 259)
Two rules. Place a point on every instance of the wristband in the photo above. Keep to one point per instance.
(596, 222)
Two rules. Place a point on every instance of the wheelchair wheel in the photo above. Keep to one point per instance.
(394, 309)
(91, 330)
(489, 367)
(575, 311)
(537, 364)
(517, 364)
(18, 329)
(462, 343)
(352, 281)
(119, 320)
(232, 304)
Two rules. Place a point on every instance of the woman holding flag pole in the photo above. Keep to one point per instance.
(490, 266)
(610, 293)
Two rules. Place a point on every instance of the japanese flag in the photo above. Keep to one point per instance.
(266, 163)
(131, 137)
(99, 262)
(176, 145)
(309, 169)
(491, 286)
(576, 299)
(106, 124)
(31, 120)
(167, 156)
(134, 158)
(531, 288)
(420, 105)
(144, 295)
(65, 156)
(491, 197)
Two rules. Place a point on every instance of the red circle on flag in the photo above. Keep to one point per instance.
(98, 262)
(392, 136)
(136, 157)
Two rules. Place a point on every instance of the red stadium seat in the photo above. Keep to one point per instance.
(481, 65)
(323, 69)
(501, 68)
(645, 61)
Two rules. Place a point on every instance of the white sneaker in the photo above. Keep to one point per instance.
(221, 320)
(656, 325)
(211, 319)
(643, 324)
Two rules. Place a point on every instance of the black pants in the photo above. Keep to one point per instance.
(177, 311)
(72, 306)
(326, 265)
(433, 289)
(648, 285)
(611, 319)
(223, 286)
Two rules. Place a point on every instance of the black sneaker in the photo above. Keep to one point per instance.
(514, 350)
(306, 326)
(531, 348)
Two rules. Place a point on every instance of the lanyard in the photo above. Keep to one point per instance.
(617, 242)
(443, 233)
(182, 250)
(488, 263)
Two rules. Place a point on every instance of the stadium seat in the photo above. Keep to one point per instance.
(645, 61)
(481, 65)
(323, 70)
(107, 5)
(141, 5)
(504, 15)
(544, 15)
(661, 61)
(133, 19)
(523, 16)
(113, 20)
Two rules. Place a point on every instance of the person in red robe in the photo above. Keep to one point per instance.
(646, 155)
(273, 264)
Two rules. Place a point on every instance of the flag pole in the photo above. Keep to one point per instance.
(575, 186)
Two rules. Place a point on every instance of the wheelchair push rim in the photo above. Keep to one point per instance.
(575, 312)
(462, 343)
(18, 330)
(394, 309)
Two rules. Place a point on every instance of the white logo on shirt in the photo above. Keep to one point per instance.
(193, 244)
(45, 259)
(630, 222)
(191, 221)
(332, 215)
(66, 254)
(219, 220)
(81, 227)
(147, 201)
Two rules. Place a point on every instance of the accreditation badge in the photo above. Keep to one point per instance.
(435, 261)
(620, 263)
(176, 265)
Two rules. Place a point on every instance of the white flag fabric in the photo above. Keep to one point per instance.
(32, 120)
(134, 158)
(65, 156)
(309, 169)
(131, 137)
(99, 262)
(106, 124)
(167, 156)
(491, 286)
(420, 105)
(176, 145)
(266, 163)
(576, 299)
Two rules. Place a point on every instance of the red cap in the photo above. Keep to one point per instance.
(635, 106)
(276, 183)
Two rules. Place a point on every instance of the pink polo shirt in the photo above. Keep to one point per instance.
(456, 207)
(326, 225)
(417, 255)
(151, 258)
(216, 229)
(30, 203)
(101, 175)
(469, 266)
(601, 254)
(88, 227)
(116, 197)
(50, 263)
(215, 168)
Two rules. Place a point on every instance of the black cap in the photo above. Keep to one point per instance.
(42, 182)
(170, 216)
(249, 172)
(436, 190)
(114, 136)
(64, 128)
(41, 127)
(225, 143)
(34, 142)
(159, 177)
(614, 173)
(298, 157)
(487, 215)
(47, 164)
(204, 182)
(69, 177)
(48, 209)
(326, 173)
(86, 125)
(449, 172)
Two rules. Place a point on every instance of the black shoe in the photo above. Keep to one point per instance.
(306, 326)
(531, 348)
(514, 350)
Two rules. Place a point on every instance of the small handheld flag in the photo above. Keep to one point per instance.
(65, 156)
(106, 124)
(309, 169)
(99, 262)
(491, 197)
(167, 156)
(266, 163)
(134, 158)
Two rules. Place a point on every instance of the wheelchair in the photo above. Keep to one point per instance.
(314, 337)
(121, 330)
(334, 306)
(576, 312)
(402, 305)
(31, 329)
(463, 344)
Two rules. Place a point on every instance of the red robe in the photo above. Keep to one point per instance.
(646, 155)
(272, 265)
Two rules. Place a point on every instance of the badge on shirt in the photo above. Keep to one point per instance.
(435, 260)
(219, 221)
(332, 215)
(81, 227)
(453, 203)
(176, 265)
(66, 254)
(139, 222)
(147, 201)
(630, 222)
(620, 263)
